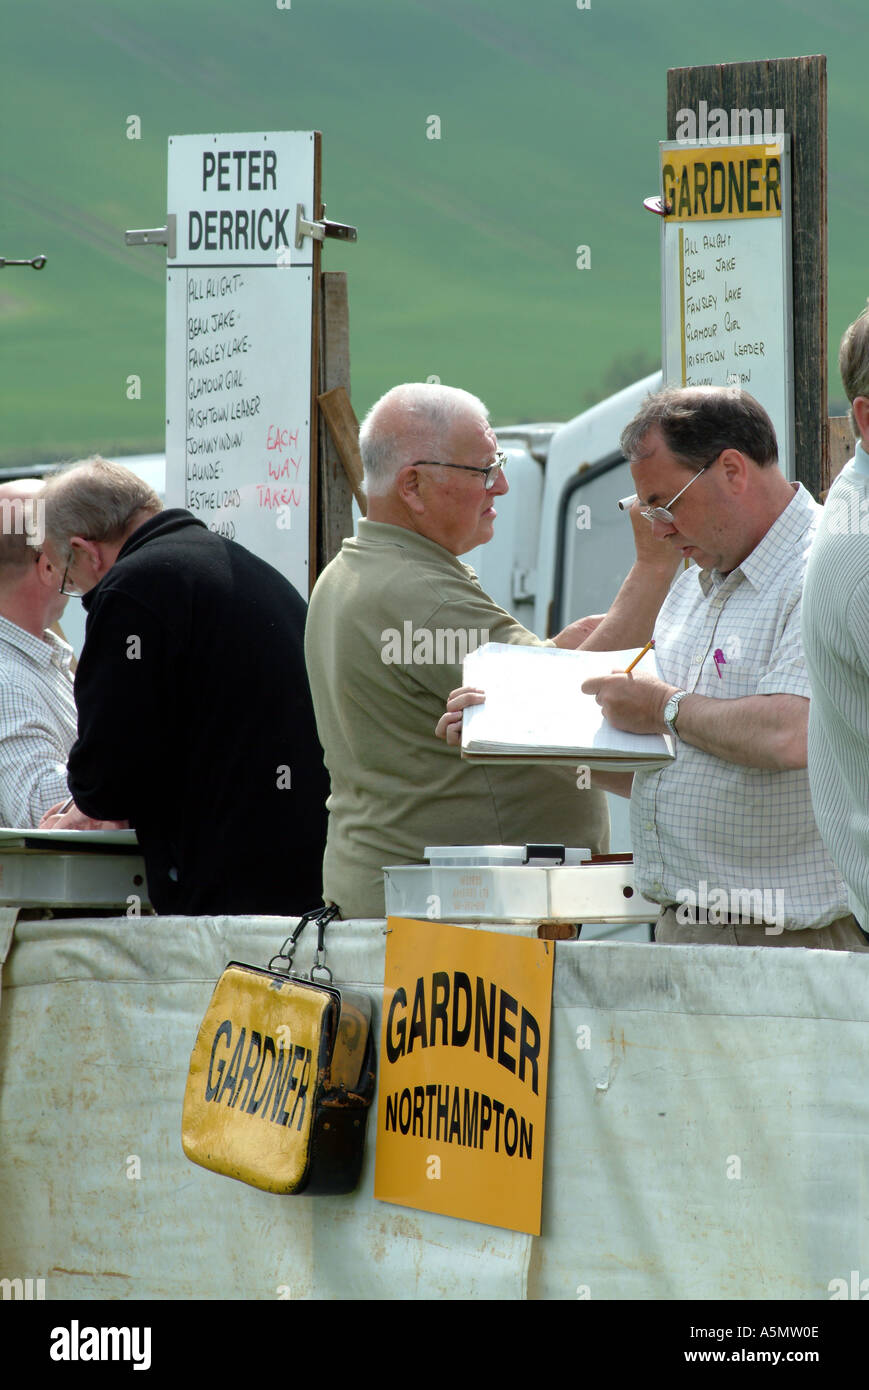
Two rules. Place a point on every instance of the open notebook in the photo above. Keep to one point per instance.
(536, 712)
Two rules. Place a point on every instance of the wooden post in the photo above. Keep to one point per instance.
(334, 498)
(798, 87)
(841, 444)
(344, 430)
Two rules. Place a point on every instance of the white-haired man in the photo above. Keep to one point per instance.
(835, 620)
(388, 623)
(194, 716)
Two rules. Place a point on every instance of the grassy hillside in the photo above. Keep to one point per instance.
(466, 260)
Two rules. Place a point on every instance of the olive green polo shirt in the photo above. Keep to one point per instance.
(388, 623)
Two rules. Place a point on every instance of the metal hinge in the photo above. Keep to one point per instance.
(320, 230)
(155, 236)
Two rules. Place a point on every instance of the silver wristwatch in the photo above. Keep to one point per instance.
(671, 709)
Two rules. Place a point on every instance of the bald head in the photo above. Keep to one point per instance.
(29, 584)
(412, 422)
(22, 526)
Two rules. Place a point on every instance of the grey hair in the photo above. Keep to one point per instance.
(409, 424)
(854, 362)
(94, 499)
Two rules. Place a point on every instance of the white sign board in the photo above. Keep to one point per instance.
(726, 272)
(239, 310)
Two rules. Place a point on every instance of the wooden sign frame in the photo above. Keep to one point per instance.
(798, 88)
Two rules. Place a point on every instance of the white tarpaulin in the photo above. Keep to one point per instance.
(706, 1131)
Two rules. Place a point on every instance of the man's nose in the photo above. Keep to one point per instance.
(501, 485)
(662, 529)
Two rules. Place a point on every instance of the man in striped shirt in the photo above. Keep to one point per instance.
(37, 710)
(835, 623)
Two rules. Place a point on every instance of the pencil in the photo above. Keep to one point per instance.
(639, 656)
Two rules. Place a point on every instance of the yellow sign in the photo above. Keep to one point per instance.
(721, 181)
(464, 1054)
(253, 1079)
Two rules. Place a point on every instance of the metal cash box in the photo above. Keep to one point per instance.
(514, 883)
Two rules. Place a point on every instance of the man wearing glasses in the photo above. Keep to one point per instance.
(725, 838)
(194, 715)
(389, 622)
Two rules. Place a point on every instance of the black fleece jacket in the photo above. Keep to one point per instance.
(195, 723)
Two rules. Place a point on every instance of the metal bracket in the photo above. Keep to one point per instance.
(656, 204)
(320, 230)
(523, 584)
(35, 262)
(155, 236)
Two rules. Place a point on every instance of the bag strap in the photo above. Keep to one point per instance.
(322, 916)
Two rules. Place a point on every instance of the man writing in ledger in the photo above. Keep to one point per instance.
(730, 820)
(389, 622)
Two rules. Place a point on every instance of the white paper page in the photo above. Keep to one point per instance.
(534, 700)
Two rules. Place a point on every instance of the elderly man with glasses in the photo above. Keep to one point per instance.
(389, 622)
(194, 715)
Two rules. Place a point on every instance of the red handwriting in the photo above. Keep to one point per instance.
(282, 470)
(273, 497)
(281, 439)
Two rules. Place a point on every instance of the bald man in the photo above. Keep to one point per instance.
(388, 624)
(37, 710)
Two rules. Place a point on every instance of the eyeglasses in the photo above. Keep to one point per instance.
(664, 513)
(490, 474)
(72, 591)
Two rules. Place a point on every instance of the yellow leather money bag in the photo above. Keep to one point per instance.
(280, 1082)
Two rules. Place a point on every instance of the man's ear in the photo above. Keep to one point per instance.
(860, 406)
(48, 573)
(735, 466)
(87, 553)
(407, 486)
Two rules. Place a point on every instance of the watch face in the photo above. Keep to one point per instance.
(671, 709)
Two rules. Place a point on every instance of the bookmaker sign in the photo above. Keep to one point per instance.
(726, 272)
(463, 1063)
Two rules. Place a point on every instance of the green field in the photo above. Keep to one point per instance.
(466, 261)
